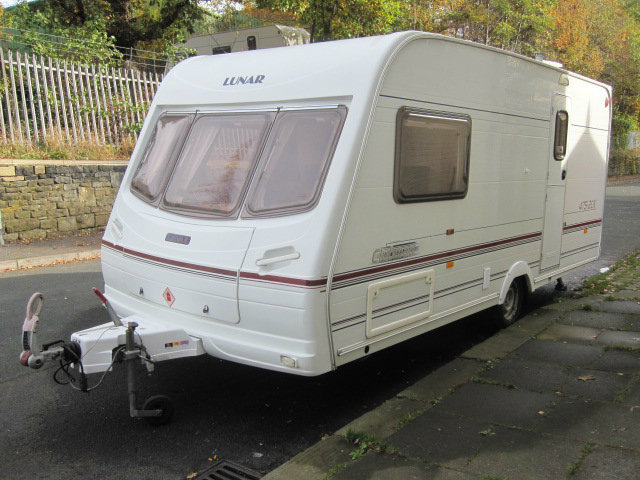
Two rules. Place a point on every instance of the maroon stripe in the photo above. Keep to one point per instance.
(113, 245)
(166, 261)
(246, 275)
(414, 261)
(581, 225)
(299, 282)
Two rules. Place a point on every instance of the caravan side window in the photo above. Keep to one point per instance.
(160, 155)
(432, 155)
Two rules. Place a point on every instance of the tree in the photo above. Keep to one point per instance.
(37, 32)
(332, 19)
(225, 15)
(130, 23)
(601, 39)
(518, 25)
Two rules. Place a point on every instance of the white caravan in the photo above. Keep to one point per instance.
(299, 208)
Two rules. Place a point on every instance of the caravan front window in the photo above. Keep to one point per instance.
(204, 164)
(159, 156)
(216, 163)
(295, 161)
(432, 155)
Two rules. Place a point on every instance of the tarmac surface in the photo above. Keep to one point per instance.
(554, 396)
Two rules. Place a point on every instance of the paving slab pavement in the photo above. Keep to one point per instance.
(554, 396)
(39, 253)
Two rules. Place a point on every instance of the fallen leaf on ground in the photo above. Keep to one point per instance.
(192, 475)
(586, 378)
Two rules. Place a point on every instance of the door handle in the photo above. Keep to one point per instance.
(263, 262)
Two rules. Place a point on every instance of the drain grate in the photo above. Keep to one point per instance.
(226, 470)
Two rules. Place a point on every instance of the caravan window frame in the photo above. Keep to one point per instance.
(560, 135)
(169, 161)
(458, 123)
(266, 155)
(239, 194)
(274, 157)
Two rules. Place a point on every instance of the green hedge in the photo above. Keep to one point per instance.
(624, 161)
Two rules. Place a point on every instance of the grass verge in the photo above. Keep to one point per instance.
(619, 277)
(58, 150)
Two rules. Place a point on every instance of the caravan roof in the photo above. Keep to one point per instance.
(319, 70)
(352, 68)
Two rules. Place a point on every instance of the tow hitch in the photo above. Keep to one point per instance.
(98, 349)
(35, 355)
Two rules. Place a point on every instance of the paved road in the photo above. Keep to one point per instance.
(621, 234)
(254, 417)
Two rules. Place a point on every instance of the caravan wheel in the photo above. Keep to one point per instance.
(162, 403)
(511, 308)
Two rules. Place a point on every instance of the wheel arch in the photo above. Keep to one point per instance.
(519, 269)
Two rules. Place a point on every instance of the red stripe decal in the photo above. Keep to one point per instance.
(414, 261)
(166, 261)
(299, 282)
(582, 225)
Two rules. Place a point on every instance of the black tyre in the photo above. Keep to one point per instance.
(162, 403)
(513, 305)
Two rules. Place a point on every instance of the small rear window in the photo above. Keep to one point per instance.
(159, 156)
(216, 163)
(560, 137)
(295, 161)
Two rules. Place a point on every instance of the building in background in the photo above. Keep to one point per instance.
(269, 36)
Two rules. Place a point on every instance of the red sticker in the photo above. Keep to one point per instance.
(168, 296)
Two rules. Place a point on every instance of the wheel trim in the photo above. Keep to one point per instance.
(510, 305)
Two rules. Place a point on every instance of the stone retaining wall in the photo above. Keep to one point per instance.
(45, 199)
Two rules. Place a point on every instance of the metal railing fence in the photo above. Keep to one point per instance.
(44, 99)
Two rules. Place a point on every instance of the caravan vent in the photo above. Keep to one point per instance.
(553, 63)
(540, 58)
(226, 470)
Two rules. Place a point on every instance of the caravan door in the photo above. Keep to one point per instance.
(556, 182)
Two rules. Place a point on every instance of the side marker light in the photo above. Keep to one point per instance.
(288, 361)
